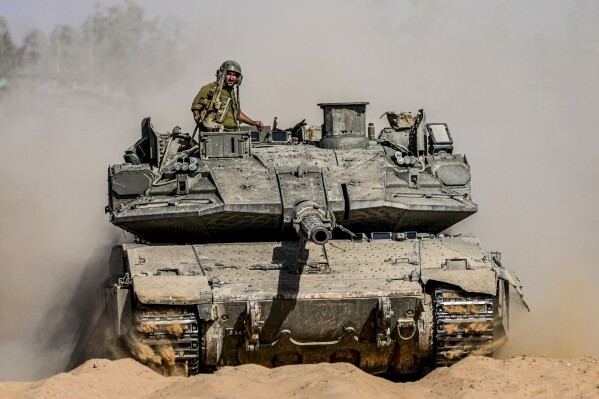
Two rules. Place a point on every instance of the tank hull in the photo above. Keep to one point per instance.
(375, 304)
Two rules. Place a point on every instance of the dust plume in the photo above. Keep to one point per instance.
(516, 83)
(71, 106)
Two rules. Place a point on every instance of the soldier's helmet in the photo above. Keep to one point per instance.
(230, 66)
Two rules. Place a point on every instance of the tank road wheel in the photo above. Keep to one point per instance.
(463, 325)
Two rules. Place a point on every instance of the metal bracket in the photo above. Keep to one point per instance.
(409, 324)
(208, 311)
(214, 343)
(126, 281)
(384, 319)
(425, 326)
(253, 326)
(215, 282)
(456, 264)
(413, 177)
(167, 271)
(182, 184)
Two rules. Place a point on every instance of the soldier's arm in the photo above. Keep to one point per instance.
(245, 119)
(196, 105)
(196, 115)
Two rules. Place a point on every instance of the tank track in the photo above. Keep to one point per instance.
(172, 327)
(463, 325)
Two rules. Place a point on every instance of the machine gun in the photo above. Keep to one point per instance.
(296, 130)
(214, 112)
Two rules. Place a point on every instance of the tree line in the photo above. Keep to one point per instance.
(116, 47)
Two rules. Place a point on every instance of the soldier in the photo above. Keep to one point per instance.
(221, 113)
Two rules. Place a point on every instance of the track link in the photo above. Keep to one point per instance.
(178, 328)
(463, 325)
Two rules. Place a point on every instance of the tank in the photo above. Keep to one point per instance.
(305, 245)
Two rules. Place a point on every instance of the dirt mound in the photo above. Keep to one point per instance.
(95, 378)
(519, 377)
(474, 377)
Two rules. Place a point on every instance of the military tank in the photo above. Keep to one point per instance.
(304, 245)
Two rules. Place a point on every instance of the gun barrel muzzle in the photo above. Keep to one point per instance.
(313, 222)
(314, 230)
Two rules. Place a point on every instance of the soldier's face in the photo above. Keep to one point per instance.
(231, 78)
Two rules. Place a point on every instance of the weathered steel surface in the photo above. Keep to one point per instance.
(365, 188)
(257, 250)
(172, 290)
(262, 271)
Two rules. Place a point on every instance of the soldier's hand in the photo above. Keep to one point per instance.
(259, 124)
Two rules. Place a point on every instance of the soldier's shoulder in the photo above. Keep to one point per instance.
(209, 86)
(206, 88)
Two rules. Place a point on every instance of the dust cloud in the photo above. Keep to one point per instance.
(70, 108)
(517, 84)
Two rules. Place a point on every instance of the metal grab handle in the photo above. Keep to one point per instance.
(402, 323)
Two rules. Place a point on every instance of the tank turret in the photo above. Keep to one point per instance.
(178, 190)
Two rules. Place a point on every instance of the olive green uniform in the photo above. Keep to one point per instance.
(230, 121)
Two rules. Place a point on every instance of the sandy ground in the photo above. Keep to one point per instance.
(474, 377)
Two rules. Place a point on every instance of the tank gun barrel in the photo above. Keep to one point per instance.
(313, 229)
(312, 222)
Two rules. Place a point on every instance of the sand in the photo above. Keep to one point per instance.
(473, 377)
